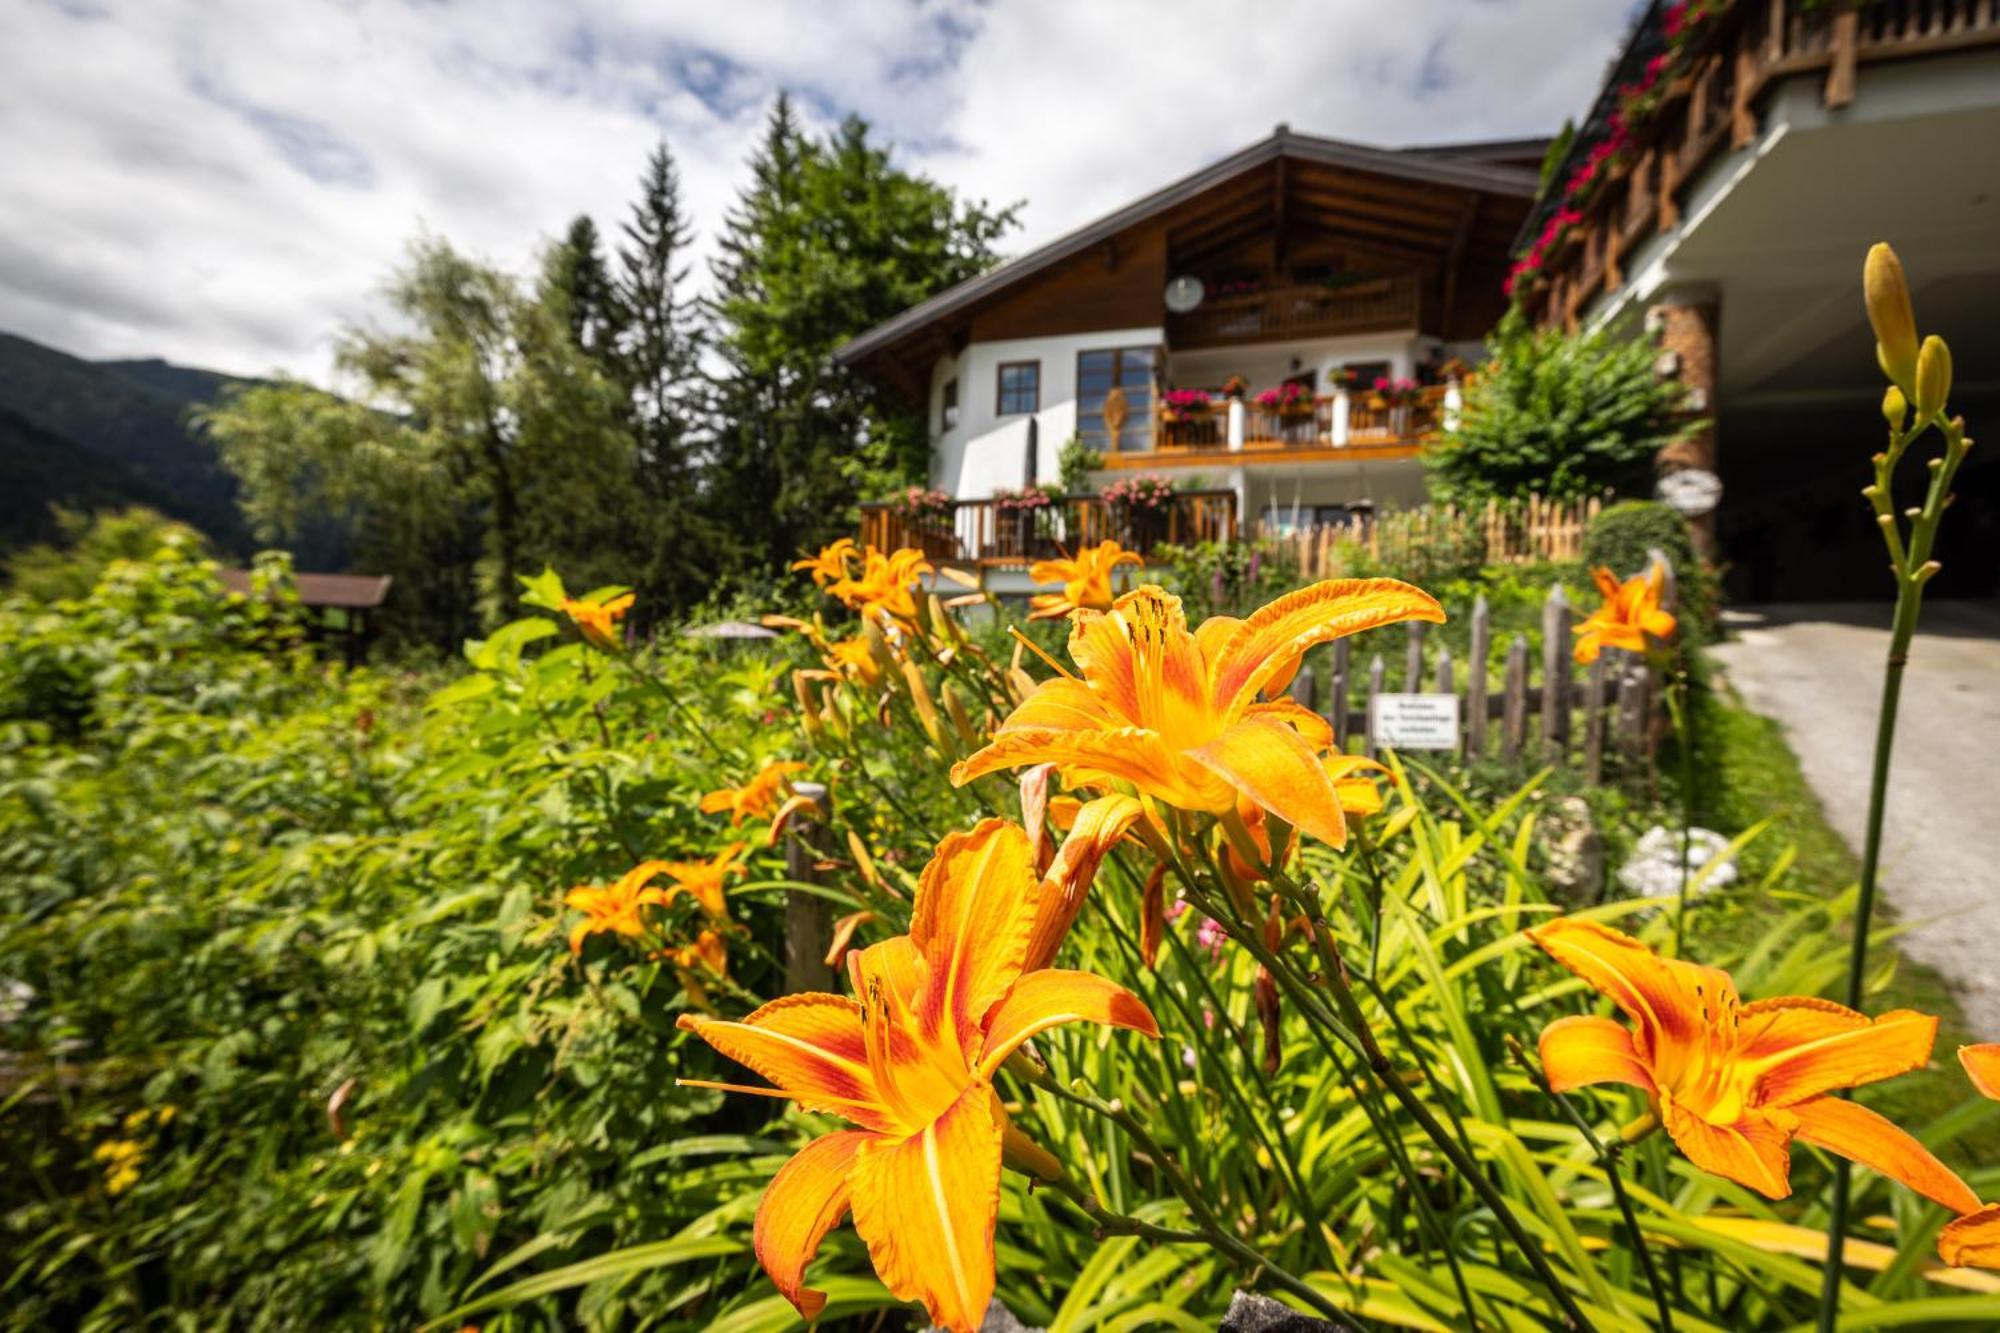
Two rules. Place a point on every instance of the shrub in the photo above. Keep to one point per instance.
(1075, 461)
(1621, 537)
(1555, 414)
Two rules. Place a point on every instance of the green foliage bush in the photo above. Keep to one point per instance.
(1559, 415)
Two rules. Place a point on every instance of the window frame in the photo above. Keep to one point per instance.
(948, 406)
(1154, 353)
(1000, 408)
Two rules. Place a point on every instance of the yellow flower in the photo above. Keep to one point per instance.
(882, 589)
(704, 958)
(911, 1066)
(832, 564)
(121, 1158)
(1631, 611)
(703, 880)
(1735, 1083)
(755, 798)
(1176, 714)
(616, 908)
(598, 621)
(1086, 580)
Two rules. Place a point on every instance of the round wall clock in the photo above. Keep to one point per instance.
(1184, 293)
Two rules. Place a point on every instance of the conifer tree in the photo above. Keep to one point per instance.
(576, 283)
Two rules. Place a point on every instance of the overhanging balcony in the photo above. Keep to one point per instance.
(1329, 428)
(1275, 313)
(981, 532)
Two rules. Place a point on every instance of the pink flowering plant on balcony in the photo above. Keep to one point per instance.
(1149, 492)
(920, 502)
(1027, 500)
(1178, 403)
(1285, 398)
(1398, 392)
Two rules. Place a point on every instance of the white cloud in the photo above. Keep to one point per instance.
(226, 182)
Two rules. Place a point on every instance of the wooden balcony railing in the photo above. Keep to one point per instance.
(1712, 107)
(1368, 420)
(1288, 312)
(980, 532)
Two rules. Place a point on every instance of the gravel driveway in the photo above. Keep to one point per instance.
(1817, 669)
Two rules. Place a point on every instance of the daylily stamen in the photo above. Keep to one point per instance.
(1036, 649)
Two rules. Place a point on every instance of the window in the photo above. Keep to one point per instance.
(1129, 370)
(1020, 387)
(948, 406)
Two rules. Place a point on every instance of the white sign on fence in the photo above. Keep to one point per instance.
(1415, 721)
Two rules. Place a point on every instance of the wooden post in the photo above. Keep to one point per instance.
(1593, 722)
(807, 928)
(1303, 686)
(1840, 74)
(1555, 674)
(1475, 678)
(1337, 703)
(1413, 655)
(1442, 683)
(1375, 674)
(1514, 702)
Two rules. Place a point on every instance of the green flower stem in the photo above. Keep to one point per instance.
(1209, 1228)
(1607, 1157)
(1355, 1035)
(1913, 567)
(1680, 709)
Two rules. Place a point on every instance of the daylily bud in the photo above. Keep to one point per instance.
(1933, 377)
(961, 720)
(1895, 407)
(1887, 293)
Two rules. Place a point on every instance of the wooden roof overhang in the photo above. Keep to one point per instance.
(1447, 219)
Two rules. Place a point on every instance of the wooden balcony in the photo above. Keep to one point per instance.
(1294, 312)
(1711, 108)
(979, 532)
(1372, 428)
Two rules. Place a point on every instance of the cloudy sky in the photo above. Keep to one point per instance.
(226, 182)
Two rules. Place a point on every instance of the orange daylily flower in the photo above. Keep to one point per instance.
(911, 1066)
(755, 798)
(1735, 1083)
(882, 589)
(854, 659)
(704, 957)
(598, 621)
(1972, 1240)
(1176, 714)
(703, 880)
(617, 908)
(1086, 580)
(1630, 613)
(833, 563)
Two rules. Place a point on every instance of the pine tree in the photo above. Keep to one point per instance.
(576, 283)
(659, 354)
(829, 239)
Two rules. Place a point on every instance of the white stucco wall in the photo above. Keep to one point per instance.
(985, 449)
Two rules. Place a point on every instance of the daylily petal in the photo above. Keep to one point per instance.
(1607, 582)
(1126, 754)
(1063, 705)
(1663, 997)
(1982, 1065)
(811, 1046)
(1579, 1051)
(1315, 730)
(1847, 1051)
(1271, 764)
(1153, 914)
(974, 911)
(804, 1201)
(1098, 827)
(1972, 1241)
(1052, 996)
(1860, 1135)
(1278, 632)
(1752, 1152)
(926, 1206)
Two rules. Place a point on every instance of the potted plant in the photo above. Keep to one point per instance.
(1026, 521)
(1340, 379)
(1395, 396)
(1290, 399)
(1139, 507)
(1236, 388)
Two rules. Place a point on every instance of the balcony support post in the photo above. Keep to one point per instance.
(1342, 407)
(1238, 417)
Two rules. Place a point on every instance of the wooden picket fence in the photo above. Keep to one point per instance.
(1500, 532)
(1565, 717)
